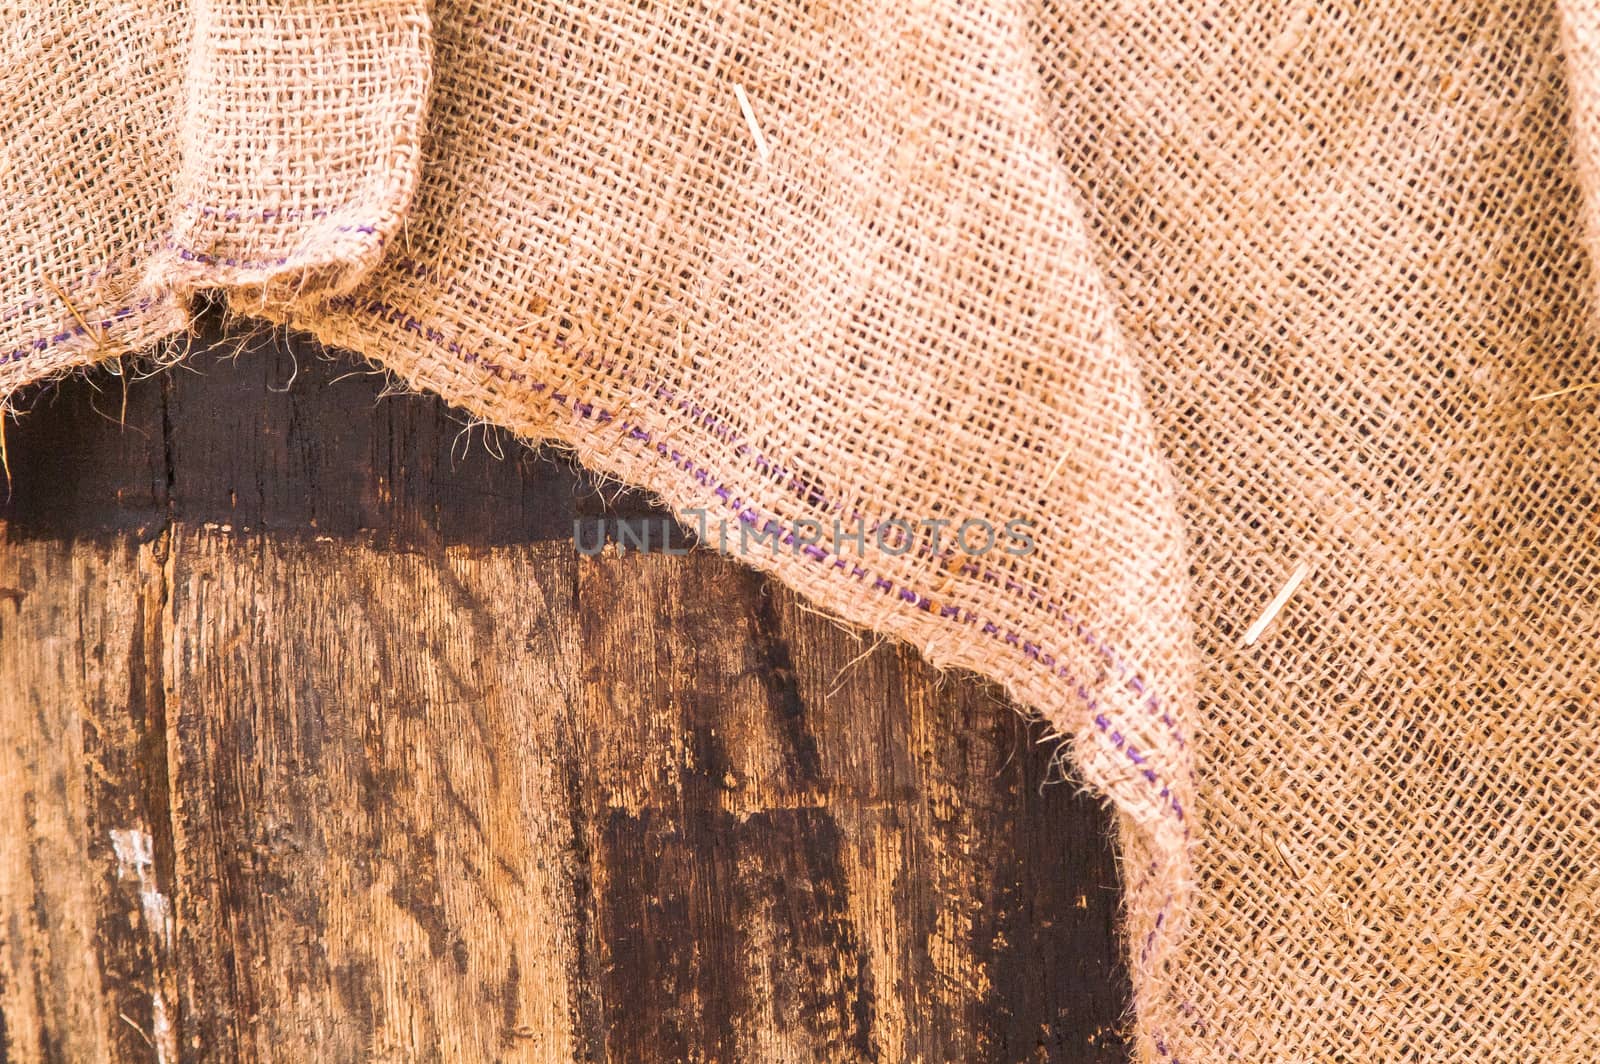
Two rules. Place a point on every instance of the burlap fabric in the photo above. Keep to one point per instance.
(1213, 296)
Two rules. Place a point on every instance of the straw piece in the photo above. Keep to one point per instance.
(755, 128)
(1278, 602)
(1587, 386)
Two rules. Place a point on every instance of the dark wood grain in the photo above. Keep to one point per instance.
(320, 741)
(260, 433)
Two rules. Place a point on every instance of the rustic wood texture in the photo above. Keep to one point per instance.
(319, 741)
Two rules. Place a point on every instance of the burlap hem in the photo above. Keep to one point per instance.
(332, 265)
(133, 328)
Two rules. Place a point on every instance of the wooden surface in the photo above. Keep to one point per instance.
(319, 741)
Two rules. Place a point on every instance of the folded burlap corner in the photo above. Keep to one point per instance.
(302, 139)
(153, 150)
(89, 158)
(1213, 298)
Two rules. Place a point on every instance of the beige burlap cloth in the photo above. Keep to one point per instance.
(1251, 312)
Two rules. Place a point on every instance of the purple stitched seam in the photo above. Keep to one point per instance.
(269, 214)
(1150, 939)
(187, 254)
(801, 489)
(45, 343)
(1161, 914)
(748, 515)
(1186, 1007)
(38, 301)
(205, 259)
(230, 214)
(720, 428)
(1108, 728)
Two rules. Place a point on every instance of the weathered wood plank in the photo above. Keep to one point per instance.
(998, 896)
(86, 958)
(254, 431)
(417, 782)
(374, 849)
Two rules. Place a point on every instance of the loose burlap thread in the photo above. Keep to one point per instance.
(1210, 295)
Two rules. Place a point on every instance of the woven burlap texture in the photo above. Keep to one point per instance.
(1215, 296)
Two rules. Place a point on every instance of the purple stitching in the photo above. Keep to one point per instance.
(1150, 939)
(205, 259)
(1118, 740)
(38, 301)
(46, 343)
(187, 254)
(267, 214)
(1186, 1007)
(801, 489)
(231, 214)
(396, 316)
(748, 515)
(720, 428)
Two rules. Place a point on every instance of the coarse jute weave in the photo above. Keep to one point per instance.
(1228, 301)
